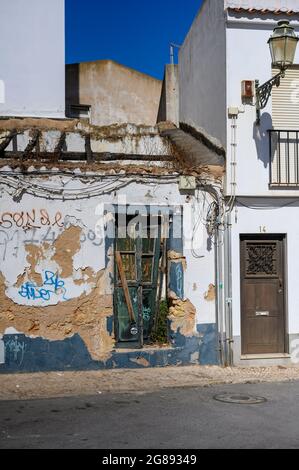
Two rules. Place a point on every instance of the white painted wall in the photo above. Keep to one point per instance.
(277, 220)
(248, 58)
(85, 213)
(202, 65)
(32, 59)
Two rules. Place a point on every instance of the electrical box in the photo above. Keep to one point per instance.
(233, 111)
(187, 183)
(248, 89)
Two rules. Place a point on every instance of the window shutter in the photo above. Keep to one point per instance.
(285, 100)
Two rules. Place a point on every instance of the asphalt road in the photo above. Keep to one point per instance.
(187, 418)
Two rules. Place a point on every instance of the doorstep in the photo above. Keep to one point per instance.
(251, 357)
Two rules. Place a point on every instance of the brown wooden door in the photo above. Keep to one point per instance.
(262, 294)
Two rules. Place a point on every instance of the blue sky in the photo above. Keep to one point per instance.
(135, 33)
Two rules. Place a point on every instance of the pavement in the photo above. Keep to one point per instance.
(88, 383)
(170, 418)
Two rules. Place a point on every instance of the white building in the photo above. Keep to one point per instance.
(227, 44)
(32, 59)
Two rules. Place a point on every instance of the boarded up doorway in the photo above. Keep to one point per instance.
(138, 249)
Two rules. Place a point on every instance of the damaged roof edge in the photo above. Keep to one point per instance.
(196, 146)
(202, 136)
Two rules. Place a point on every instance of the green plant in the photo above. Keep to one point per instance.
(160, 333)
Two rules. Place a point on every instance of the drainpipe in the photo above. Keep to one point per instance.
(219, 296)
(228, 288)
(219, 271)
(228, 301)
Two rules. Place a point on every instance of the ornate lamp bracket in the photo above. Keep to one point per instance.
(263, 93)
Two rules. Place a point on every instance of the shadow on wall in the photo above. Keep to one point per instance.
(72, 87)
(261, 138)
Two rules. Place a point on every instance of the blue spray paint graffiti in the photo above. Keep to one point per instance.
(180, 280)
(52, 285)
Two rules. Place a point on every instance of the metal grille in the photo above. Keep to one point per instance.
(261, 259)
(284, 157)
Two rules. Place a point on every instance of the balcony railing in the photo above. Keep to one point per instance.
(284, 158)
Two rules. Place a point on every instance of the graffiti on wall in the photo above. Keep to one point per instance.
(15, 349)
(52, 286)
(28, 220)
(35, 227)
(180, 280)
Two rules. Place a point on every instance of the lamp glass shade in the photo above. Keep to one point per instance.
(283, 45)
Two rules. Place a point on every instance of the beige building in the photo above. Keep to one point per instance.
(110, 93)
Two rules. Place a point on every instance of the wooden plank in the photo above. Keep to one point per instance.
(125, 286)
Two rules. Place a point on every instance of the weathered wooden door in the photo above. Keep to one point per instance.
(139, 247)
(262, 294)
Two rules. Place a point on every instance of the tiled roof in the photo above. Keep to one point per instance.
(286, 7)
(264, 11)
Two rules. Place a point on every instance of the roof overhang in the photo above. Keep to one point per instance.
(197, 148)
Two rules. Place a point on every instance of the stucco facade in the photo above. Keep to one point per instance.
(116, 94)
(57, 248)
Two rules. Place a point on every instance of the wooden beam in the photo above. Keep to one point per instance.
(97, 157)
(89, 154)
(5, 143)
(59, 147)
(31, 145)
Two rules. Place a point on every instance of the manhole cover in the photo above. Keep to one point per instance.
(240, 399)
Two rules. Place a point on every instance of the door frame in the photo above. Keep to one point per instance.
(138, 284)
(267, 236)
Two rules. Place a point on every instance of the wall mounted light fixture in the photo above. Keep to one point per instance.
(282, 43)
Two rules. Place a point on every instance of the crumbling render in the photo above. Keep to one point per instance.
(86, 316)
(177, 258)
(66, 246)
(141, 361)
(62, 253)
(35, 254)
(182, 315)
(210, 295)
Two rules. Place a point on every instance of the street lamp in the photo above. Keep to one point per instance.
(282, 43)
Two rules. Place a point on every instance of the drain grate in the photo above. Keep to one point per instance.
(240, 399)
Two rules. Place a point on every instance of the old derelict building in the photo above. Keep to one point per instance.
(98, 226)
(109, 233)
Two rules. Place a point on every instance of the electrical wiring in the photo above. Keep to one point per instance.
(58, 193)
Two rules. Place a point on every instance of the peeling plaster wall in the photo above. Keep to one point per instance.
(56, 275)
